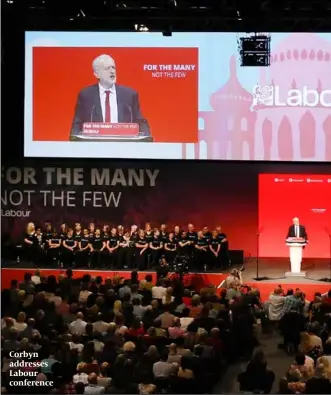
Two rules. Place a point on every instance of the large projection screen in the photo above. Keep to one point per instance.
(185, 97)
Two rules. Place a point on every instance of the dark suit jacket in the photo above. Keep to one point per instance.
(302, 232)
(88, 109)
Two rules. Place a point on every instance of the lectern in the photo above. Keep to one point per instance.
(111, 132)
(295, 245)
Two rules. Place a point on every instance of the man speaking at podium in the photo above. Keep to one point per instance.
(297, 230)
(106, 101)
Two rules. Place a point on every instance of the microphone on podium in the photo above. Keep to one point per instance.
(92, 113)
(131, 117)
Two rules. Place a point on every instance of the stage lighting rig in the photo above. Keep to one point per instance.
(254, 49)
(181, 15)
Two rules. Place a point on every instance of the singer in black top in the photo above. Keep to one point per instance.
(120, 231)
(63, 234)
(149, 234)
(63, 231)
(96, 250)
(91, 231)
(163, 233)
(112, 247)
(40, 238)
(177, 233)
(162, 270)
(214, 250)
(54, 248)
(84, 249)
(69, 246)
(184, 244)
(206, 234)
(92, 99)
(201, 252)
(31, 247)
(47, 235)
(192, 236)
(171, 248)
(126, 250)
(224, 253)
(155, 246)
(104, 252)
(41, 245)
(141, 251)
(78, 232)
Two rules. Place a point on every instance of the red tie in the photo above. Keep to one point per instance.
(107, 108)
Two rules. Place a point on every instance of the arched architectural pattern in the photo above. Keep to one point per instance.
(307, 126)
(285, 141)
(230, 123)
(202, 150)
(246, 154)
(327, 131)
(244, 125)
(267, 138)
(201, 123)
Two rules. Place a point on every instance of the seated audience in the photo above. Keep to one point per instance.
(112, 335)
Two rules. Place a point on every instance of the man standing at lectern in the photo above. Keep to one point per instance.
(107, 101)
(297, 230)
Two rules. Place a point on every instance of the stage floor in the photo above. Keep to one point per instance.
(274, 269)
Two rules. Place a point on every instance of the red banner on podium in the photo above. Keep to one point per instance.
(96, 129)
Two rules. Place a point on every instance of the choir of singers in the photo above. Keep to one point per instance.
(117, 248)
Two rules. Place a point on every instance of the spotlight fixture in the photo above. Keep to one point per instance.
(140, 28)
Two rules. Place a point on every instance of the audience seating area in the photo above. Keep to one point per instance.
(119, 336)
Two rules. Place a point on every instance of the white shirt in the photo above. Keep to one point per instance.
(161, 369)
(57, 300)
(83, 295)
(112, 102)
(297, 231)
(76, 346)
(20, 326)
(92, 389)
(98, 345)
(185, 322)
(164, 301)
(80, 378)
(77, 326)
(35, 280)
(100, 326)
(158, 292)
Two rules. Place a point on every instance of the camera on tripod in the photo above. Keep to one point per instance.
(180, 265)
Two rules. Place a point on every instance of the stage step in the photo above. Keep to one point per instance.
(295, 275)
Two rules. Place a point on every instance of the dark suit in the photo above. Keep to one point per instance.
(302, 232)
(88, 109)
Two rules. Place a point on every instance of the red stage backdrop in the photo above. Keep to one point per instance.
(285, 196)
(175, 192)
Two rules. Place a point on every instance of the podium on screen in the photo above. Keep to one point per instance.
(102, 129)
